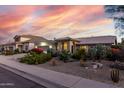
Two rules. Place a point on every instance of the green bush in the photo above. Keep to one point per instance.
(53, 52)
(97, 52)
(8, 52)
(92, 53)
(79, 53)
(34, 58)
(109, 54)
(100, 52)
(64, 55)
(16, 51)
(116, 46)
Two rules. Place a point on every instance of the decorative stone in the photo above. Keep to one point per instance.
(86, 67)
(95, 66)
(100, 65)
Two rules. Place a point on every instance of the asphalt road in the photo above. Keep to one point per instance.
(11, 80)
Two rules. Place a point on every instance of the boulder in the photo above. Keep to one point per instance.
(95, 66)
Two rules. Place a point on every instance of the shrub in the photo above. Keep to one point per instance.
(100, 52)
(116, 46)
(52, 52)
(97, 53)
(108, 54)
(35, 58)
(16, 51)
(37, 50)
(117, 66)
(64, 55)
(122, 55)
(8, 52)
(92, 53)
(80, 53)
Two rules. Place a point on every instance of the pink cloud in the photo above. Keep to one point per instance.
(52, 19)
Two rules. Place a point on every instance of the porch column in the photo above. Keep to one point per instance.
(62, 46)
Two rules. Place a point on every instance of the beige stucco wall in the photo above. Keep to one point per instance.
(70, 44)
(24, 39)
(7, 47)
(59, 46)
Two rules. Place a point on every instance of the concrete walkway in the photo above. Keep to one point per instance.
(47, 77)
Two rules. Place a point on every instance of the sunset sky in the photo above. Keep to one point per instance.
(54, 21)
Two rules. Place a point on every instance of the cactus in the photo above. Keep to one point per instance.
(115, 75)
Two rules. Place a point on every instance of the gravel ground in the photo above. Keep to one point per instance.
(74, 68)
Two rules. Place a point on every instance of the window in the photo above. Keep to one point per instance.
(65, 45)
(17, 39)
(43, 44)
(26, 47)
(83, 47)
(50, 46)
(35, 46)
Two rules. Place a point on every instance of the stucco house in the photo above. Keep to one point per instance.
(71, 44)
(28, 42)
(66, 43)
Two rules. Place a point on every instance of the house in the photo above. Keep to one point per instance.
(28, 42)
(8, 46)
(71, 44)
(66, 43)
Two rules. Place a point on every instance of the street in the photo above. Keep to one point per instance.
(11, 80)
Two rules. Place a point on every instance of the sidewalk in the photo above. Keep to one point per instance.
(49, 78)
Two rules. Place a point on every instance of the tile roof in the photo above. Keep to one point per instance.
(98, 40)
(35, 39)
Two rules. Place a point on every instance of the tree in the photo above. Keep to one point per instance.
(116, 12)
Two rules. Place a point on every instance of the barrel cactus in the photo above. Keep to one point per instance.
(115, 75)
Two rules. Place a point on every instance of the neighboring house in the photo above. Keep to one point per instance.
(93, 41)
(28, 42)
(66, 43)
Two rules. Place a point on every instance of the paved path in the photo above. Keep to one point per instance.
(50, 78)
(12, 80)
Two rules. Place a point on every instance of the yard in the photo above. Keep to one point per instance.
(74, 68)
(94, 64)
